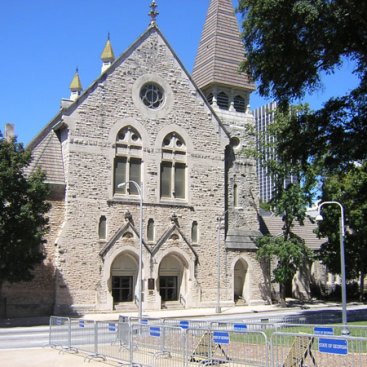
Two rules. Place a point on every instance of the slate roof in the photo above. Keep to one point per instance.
(273, 225)
(241, 239)
(220, 50)
(47, 155)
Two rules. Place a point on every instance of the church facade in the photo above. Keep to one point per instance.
(148, 179)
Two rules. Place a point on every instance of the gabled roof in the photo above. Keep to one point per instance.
(120, 232)
(221, 50)
(169, 232)
(273, 225)
(56, 122)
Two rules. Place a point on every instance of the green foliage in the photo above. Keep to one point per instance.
(289, 43)
(290, 200)
(350, 189)
(290, 253)
(22, 214)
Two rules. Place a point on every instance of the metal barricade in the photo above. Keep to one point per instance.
(83, 336)
(60, 332)
(328, 329)
(107, 334)
(291, 349)
(187, 323)
(242, 326)
(230, 347)
(158, 345)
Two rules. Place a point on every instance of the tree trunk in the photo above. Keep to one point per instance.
(361, 286)
(282, 288)
(2, 303)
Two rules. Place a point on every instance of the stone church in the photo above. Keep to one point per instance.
(148, 180)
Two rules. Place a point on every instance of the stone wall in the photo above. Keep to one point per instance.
(89, 150)
(36, 297)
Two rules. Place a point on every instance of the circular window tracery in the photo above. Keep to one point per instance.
(152, 95)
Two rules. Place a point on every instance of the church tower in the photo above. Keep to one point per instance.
(216, 72)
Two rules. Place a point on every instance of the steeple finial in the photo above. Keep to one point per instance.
(107, 56)
(153, 14)
(75, 86)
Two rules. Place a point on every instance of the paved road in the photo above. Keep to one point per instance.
(38, 336)
(24, 337)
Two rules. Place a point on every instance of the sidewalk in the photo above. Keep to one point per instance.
(246, 311)
(48, 357)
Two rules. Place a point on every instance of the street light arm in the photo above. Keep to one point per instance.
(341, 210)
(345, 330)
(137, 186)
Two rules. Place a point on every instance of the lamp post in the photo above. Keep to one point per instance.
(345, 330)
(139, 188)
(219, 220)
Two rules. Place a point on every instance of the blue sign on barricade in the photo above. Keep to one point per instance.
(144, 322)
(323, 330)
(240, 327)
(184, 324)
(221, 337)
(58, 322)
(333, 346)
(81, 323)
(155, 331)
(111, 327)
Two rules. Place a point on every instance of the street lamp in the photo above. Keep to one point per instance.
(140, 278)
(345, 330)
(219, 219)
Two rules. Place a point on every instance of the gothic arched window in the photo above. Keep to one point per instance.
(150, 230)
(239, 104)
(102, 228)
(128, 160)
(223, 101)
(173, 167)
(235, 195)
(194, 232)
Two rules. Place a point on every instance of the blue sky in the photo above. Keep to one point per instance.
(43, 41)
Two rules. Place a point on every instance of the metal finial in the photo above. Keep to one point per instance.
(153, 13)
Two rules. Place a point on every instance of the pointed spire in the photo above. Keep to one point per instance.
(153, 14)
(75, 86)
(220, 50)
(107, 56)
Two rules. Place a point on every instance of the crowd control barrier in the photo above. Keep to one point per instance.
(187, 343)
(318, 350)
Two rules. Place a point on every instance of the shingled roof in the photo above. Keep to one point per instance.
(47, 155)
(272, 225)
(220, 50)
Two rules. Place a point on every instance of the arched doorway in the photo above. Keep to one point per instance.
(124, 274)
(172, 279)
(240, 281)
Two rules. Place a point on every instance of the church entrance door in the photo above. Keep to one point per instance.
(239, 286)
(124, 273)
(168, 288)
(172, 280)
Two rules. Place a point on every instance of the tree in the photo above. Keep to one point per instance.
(22, 214)
(289, 44)
(350, 189)
(290, 200)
